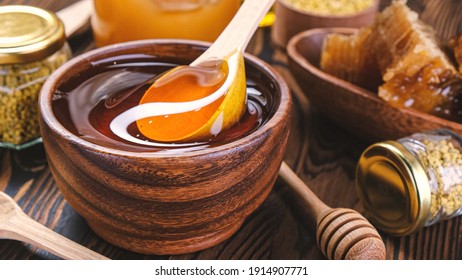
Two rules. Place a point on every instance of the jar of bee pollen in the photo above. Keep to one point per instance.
(32, 46)
(413, 182)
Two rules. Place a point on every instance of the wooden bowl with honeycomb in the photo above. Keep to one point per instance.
(348, 99)
(294, 16)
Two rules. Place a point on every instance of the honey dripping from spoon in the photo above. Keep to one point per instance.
(170, 112)
(186, 84)
(188, 103)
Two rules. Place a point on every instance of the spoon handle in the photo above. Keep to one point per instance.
(239, 31)
(308, 198)
(23, 228)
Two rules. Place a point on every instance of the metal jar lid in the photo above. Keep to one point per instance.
(28, 34)
(393, 187)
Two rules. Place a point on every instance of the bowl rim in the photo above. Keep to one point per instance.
(371, 9)
(50, 85)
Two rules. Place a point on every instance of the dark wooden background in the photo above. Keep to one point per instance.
(322, 153)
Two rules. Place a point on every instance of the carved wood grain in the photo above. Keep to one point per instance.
(322, 153)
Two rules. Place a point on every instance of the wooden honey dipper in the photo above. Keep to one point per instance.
(342, 233)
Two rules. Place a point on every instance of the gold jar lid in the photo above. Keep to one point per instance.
(28, 34)
(393, 187)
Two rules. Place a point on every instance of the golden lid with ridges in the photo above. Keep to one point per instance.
(28, 34)
(393, 187)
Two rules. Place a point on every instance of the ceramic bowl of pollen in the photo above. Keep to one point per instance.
(167, 199)
(295, 16)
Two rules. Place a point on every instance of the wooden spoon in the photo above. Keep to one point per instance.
(239, 31)
(16, 225)
(342, 234)
(227, 47)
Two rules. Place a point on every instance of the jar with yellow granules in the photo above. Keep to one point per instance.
(413, 182)
(32, 46)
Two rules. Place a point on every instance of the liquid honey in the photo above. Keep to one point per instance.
(183, 84)
(87, 104)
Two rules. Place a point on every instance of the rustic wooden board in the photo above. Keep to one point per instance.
(322, 153)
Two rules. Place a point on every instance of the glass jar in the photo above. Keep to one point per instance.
(413, 182)
(126, 20)
(32, 46)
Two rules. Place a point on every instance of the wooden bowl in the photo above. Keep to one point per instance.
(174, 203)
(358, 110)
(291, 21)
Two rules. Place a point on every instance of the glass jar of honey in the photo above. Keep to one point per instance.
(32, 46)
(127, 20)
(413, 182)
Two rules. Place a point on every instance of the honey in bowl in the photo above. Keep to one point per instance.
(87, 104)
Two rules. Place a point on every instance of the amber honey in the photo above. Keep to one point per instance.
(127, 20)
(86, 104)
(182, 84)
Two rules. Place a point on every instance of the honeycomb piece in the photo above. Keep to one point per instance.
(416, 72)
(349, 57)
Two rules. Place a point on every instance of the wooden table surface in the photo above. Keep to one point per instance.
(322, 153)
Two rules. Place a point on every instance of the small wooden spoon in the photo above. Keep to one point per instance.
(16, 225)
(342, 234)
(229, 47)
(238, 32)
